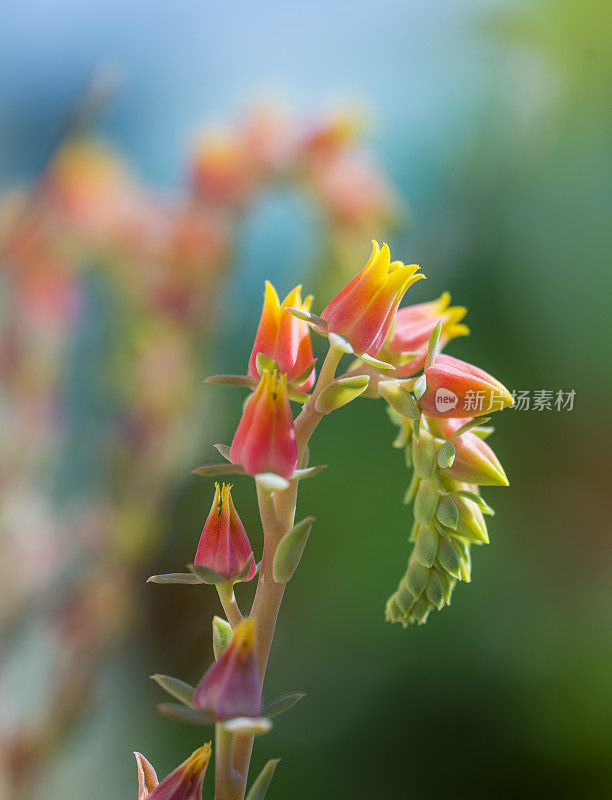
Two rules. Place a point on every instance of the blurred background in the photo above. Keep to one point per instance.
(157, 163)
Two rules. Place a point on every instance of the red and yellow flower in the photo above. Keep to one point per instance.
(413, 328)
(364, 310)
(283, 337)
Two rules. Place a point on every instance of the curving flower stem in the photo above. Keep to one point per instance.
(228, 601)
(277, 511)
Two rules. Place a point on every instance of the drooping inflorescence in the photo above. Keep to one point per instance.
(441, 429)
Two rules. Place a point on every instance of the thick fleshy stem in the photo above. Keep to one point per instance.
(225, 783)
(277, 510)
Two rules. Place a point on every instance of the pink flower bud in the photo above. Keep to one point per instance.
(414, 326)
(231, 686)
(224, 545)
(184, 783)
(474, 462)
(283, 337)
(265, 438)
(365, 309)
(458, 389)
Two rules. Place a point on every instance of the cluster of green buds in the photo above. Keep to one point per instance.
(442, 431)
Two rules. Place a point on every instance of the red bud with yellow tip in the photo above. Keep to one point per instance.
(474, 460)
(265, 438)
(224, 545)
(231, 687)
(458, 389)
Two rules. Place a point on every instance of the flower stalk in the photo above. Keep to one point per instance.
(447, 451)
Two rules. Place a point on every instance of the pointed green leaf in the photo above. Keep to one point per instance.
(425, 503)
(175, 577)
(290, 549)
(232, 380)
(412, 489)
(297, 397)
(212, 470)
(404, 597)
(281, 704)
(432, 348)
(265, 364)
(307, 472)
(224, 449)
(447, 512)
(340, 392)
(399, 399)
(448, 558)
(264, 779)
(205, 574)
(483, 432)
(466, 562)
(375, 362)
(416, 577)
(448, 584)
(420, 387)
(446, 455)
(301, 379)
(317, 323)
(406, 358)
(179, 713)
(466, 568)
(476, 498)
(420, 611)
(222, 635)
(242, 575)
(473, 423)
(441, 529)
(435, 589)
(179, 689)
(424, 454)
(426, 546)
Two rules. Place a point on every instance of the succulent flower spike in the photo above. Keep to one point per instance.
(184, 783)
(413, 328)
(265, 438)
(364, 310)
(224, 545)
(231, 686)
(283, 337)
(458, 389)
